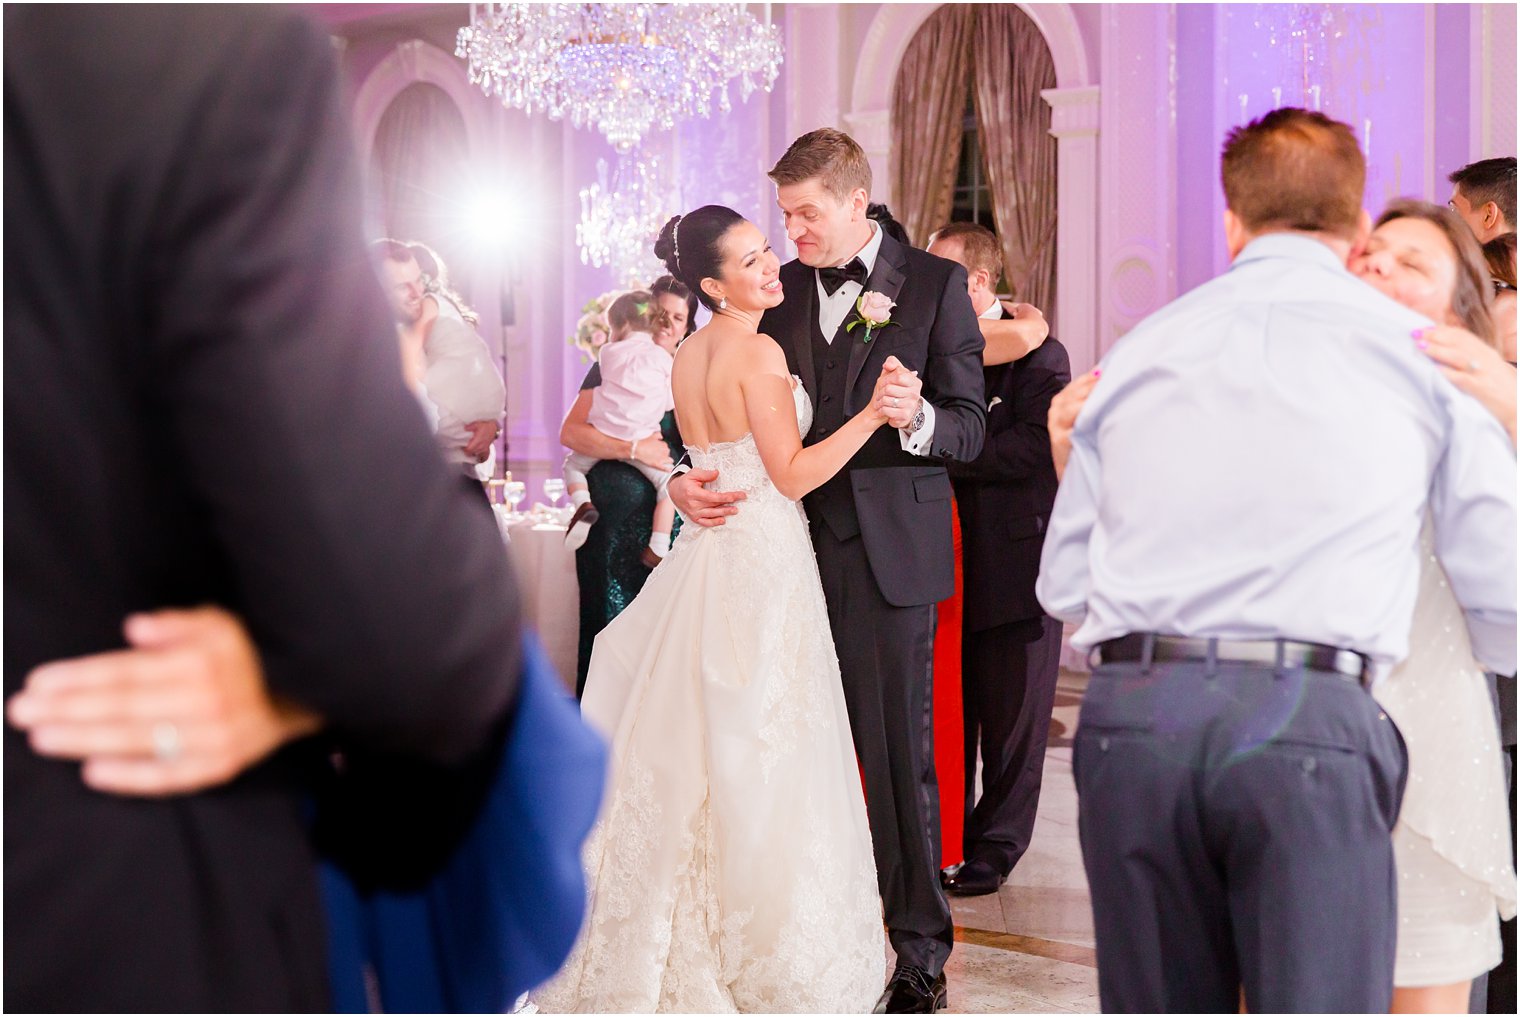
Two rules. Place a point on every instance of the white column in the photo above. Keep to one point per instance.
(535, 360)
(1137, 152)
(1074, 125)
(812, 68)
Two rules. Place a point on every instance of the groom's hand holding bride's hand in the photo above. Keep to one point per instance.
(899, 393)
(710, 508)
(697, 503)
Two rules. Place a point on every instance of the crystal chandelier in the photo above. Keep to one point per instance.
(624, 69)
(619, 221)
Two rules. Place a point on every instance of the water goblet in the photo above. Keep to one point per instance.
(515, 491)
(554, 490)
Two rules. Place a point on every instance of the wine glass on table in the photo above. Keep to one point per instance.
(515, 491)
(554, 490)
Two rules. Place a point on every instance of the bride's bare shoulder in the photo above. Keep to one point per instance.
(737, 356)
(763, 351)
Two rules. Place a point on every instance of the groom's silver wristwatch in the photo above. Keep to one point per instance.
(918, 419)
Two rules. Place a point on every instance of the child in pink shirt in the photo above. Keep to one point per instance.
(629, 404)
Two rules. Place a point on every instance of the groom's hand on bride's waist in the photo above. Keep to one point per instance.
(697, 503)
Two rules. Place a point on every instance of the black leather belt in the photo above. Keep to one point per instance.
(1148, 648)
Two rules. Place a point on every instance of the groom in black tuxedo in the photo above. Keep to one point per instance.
(881, 527)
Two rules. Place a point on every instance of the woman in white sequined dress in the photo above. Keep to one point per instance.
(732, 868)
(1452, 841)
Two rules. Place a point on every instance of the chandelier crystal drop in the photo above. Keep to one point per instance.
(625, 69)
(620, 219)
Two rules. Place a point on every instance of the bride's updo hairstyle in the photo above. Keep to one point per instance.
(691, 246)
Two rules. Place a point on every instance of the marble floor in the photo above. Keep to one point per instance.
(1029, 948)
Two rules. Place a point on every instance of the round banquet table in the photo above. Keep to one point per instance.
(546, 575)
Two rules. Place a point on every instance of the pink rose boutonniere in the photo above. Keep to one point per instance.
(874, 311)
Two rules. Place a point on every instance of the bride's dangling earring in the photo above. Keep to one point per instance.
(722, 303)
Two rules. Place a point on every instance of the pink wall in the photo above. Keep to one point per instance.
(1435, 82)
(1427, 88)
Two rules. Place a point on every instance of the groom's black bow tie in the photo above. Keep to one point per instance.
(833, 278)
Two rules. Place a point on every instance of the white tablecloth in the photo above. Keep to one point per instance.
(551, 594)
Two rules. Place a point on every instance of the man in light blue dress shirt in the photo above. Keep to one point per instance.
(1237, 532)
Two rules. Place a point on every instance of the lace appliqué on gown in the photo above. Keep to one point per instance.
(732, 870)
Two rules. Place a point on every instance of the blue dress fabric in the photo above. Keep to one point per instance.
(502, 915)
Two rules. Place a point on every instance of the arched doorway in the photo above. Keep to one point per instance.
(427, 191)
(1074, 123)
(971, 138)
(419, 130)
(416, 170)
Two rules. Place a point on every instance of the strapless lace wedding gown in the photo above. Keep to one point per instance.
(732, 868)
(1452, 841)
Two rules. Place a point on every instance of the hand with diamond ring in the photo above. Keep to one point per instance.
(183, 709)
(1473, 366)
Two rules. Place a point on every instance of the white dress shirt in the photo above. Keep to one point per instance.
(1256, 463)
(834, 307)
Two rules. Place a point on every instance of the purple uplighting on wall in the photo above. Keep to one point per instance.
(1146, 96)
(1364, 65)
(1398, 74)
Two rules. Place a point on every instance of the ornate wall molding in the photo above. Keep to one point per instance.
(1073, 111)
(413, 61)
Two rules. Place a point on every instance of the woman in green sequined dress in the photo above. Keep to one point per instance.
(607, 566)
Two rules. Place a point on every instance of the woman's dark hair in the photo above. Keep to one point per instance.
(1500, 255)
(890, 226)
(691, 246)
(1472, 295)
(676, 288)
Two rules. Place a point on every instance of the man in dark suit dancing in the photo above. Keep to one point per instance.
(1011, 649)
(204, 405)
(881, 528)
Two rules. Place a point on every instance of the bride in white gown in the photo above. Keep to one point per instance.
(732, 868)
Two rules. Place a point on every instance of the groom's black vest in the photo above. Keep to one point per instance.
(833, 500)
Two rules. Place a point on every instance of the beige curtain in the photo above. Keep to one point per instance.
(1010, 65)
(928, 107)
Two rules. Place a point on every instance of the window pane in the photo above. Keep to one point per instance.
(972, 197)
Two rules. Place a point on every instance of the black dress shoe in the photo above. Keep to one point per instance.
(973, 879)
(911, 990)
(948, 873)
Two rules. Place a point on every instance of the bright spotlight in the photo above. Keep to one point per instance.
(496, 221)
